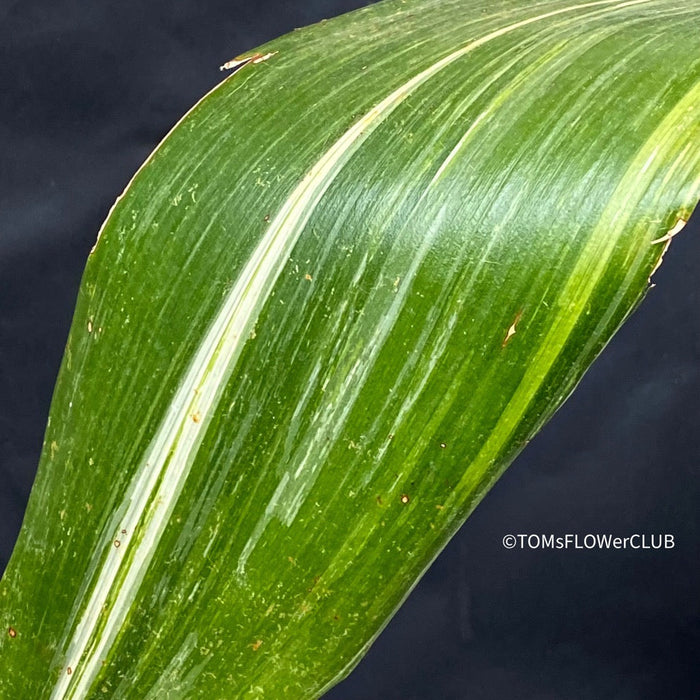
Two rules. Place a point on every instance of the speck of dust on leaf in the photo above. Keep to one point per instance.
(405, 498)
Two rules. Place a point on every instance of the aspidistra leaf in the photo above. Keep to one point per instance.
(323, 318)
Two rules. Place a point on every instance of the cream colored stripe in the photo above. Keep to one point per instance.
(583, 279)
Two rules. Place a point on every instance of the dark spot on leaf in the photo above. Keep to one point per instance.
(512, 328)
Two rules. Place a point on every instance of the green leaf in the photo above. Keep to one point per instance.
(323, 318)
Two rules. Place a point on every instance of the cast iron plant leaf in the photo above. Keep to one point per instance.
(320, 322)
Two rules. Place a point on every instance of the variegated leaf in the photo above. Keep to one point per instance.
(323, 318)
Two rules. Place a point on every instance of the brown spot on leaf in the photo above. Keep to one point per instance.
(256, 644)
(512, 328)
(12, 632)
(405, 498)
(240, 61)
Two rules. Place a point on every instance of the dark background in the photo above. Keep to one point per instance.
(87, 89)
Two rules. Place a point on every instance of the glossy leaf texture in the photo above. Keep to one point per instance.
(320, 322)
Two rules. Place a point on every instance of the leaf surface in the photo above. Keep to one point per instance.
(323, 318)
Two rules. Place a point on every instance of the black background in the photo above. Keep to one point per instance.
(87, 89)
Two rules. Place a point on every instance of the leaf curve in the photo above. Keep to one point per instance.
(434, 299)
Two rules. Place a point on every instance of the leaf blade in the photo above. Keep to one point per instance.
(357, 340)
